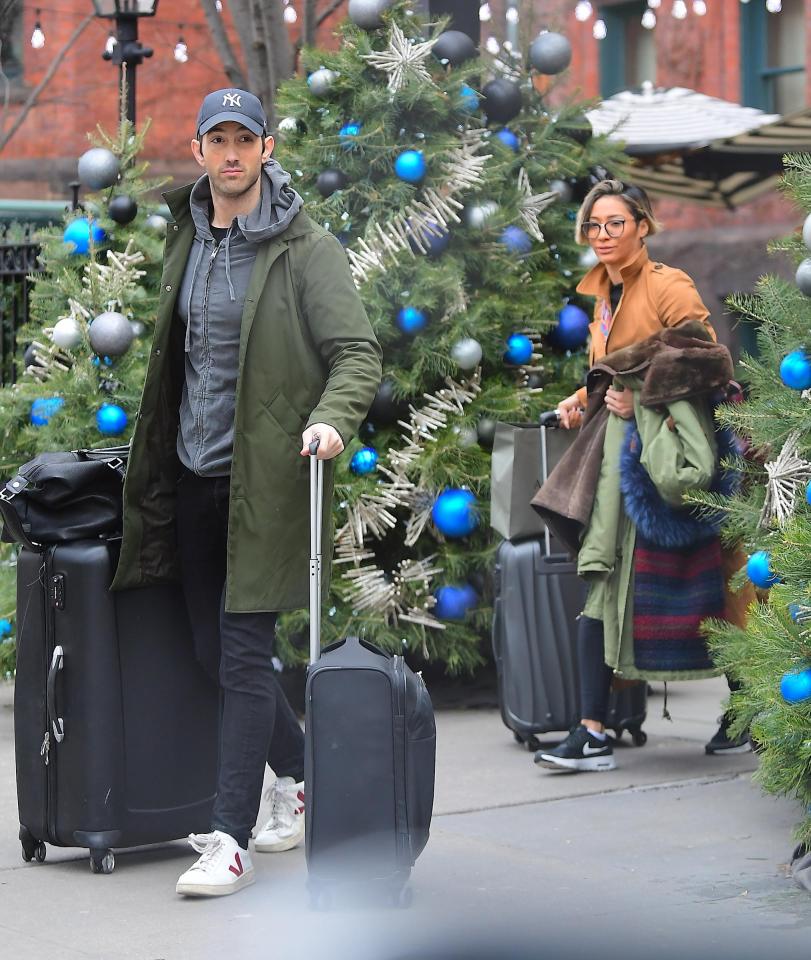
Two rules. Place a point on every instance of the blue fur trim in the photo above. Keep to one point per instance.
(655, 519)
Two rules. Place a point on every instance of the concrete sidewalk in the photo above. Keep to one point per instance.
(674, 854)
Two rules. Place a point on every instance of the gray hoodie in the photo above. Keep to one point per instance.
(210, 304)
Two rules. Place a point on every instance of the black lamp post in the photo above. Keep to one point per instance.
(127, 53)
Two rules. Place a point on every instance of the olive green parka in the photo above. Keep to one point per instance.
(307, 354)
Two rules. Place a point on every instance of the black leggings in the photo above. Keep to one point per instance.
(595, 675)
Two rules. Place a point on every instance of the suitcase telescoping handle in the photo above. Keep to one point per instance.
(551, 418)
(58, 724)
(316, 519)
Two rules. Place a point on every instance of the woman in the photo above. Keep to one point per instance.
(634, 525)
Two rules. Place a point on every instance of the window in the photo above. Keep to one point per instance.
(773, 57)
(628, 53)
(11, 36)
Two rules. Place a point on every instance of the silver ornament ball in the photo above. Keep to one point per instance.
(467, 436)
(803, 277)
(157, 223)
(467, 353)
(287, 125)
(110, 334)
(320, 81)
(807, 231)
(562, 189)
(67, 333)
(476, 215)
(366, 14)
(550, 53)
(137, 328)
(98, 168)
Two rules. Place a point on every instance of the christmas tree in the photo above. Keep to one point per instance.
(84, 350)
(452, 184)
(772, 517)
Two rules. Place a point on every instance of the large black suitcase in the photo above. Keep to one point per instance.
(538, 599)
(370, 745)
(115, 723)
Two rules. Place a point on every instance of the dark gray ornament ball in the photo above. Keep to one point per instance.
(329, 181)
(550, 53)
(367, 13)
(110, 334)
(455, 47)
(486, 431)
(98, 168)
(803, 277)
(562, 189)
(122, 209)
(502, 100)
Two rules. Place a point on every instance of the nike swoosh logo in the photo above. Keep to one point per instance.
(590, 751)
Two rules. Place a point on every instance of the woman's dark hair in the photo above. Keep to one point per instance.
(634, 197)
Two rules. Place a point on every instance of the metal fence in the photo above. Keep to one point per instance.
(18, 260)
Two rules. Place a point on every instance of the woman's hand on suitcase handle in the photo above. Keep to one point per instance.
(570, 412)
(330, 443)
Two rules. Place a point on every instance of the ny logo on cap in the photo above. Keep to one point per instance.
(232, 100)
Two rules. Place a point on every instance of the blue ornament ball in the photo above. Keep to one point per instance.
(411, 320)
(347, 134)
(43, 408)
(508, 138)
(795, 370)
(453, 602)
(519, 349)
(454, 512)
(410, 166)
(572, 328)
(808, 494)
(795, 687)
(5, 627)
(79, 233)
(111, 420)
(435, 244)
(516, 240)
(364, 461)
(759, 571)
(468, 99)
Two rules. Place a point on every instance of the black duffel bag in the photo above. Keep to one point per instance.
(65, 496)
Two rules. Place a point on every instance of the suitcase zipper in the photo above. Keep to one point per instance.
(45, 750)
(403, 839)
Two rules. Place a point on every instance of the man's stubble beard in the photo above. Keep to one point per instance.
(217, 187)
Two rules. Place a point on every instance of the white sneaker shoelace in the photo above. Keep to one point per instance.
(283, 805)
(208, 845)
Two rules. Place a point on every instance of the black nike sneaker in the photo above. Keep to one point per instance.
(579, 751)
(722, 742)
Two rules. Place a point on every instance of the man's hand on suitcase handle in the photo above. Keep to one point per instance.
(329, 441)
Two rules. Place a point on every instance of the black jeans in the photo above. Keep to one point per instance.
(257, 724)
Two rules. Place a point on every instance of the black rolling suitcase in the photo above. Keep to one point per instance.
(116, 725)
(538, 598)
(370, 744)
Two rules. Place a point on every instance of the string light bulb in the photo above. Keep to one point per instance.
(599, 30)
(218, 6)
(649, 19)
(181, 52)
(485, 13)
(290, 15)
(491, 45)
(511, 15)
(583, 10)
(774, 6)
(110, 45)
(37, 37)
(654, 4)
(699, 8)
(679, 9)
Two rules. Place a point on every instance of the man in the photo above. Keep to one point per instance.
(261, 345)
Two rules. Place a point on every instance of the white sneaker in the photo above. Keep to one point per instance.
(285, 828)
(223, 867)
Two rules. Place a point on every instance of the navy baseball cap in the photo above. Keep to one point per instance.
(232, 104)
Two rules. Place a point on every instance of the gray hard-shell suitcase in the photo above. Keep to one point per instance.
(370, 745)
(115, 722)
(538, 599)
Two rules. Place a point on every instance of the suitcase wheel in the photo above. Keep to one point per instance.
(639, 736)
(31, 847)
(517, 737)
(102, 861)
(40, 852)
